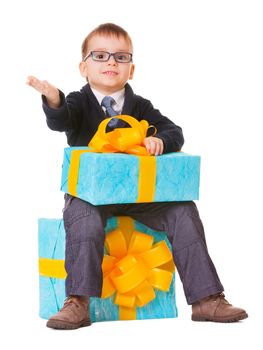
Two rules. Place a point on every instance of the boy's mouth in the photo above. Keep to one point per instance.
(110, 72)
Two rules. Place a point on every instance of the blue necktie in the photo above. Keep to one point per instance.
(107, 102)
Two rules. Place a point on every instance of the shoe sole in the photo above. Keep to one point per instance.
(235, 318)
(58, 324)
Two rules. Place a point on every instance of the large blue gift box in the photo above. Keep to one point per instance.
(51, 235)
(109, 178)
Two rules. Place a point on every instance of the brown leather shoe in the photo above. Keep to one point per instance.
(74, 314)
(217, 309)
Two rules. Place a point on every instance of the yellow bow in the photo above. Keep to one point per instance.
(126, 140)
(133, 267)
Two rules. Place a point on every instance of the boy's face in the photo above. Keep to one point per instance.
(111, 76)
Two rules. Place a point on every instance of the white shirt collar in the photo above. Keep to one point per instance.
(118, 97)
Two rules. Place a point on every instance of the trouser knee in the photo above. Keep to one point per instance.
(82, 221)
(184, 225)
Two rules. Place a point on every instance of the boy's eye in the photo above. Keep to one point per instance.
(122, 57)
(100, 55)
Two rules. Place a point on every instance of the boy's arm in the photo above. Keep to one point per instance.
(63, 114)
(167, 131)
(67, 117)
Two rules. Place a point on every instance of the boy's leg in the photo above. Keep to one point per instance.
(84, 247)
(185, 232)
(181, 222)
(85, 235)
(84, 226)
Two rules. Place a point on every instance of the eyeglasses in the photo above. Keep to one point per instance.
(103, 56)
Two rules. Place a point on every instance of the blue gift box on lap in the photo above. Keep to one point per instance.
(51, 236)
(112, 178)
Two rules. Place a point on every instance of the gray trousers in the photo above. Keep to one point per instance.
(85, 234)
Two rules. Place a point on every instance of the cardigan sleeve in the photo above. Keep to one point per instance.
(170, 133)
(67, 117)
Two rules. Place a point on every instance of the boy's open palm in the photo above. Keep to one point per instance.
(46, 89)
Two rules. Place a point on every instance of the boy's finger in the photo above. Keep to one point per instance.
(161, 147)
(147, 144)
(153, 146)
(30, 78)
(157, 149)
(30, 81)
(34, 82)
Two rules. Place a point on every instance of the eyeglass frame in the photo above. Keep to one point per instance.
(110, 54)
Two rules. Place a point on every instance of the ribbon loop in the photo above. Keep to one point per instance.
(158, 255)
(116, 244)
(140, 242)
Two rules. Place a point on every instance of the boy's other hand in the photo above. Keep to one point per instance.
(46, 89)
(154, 145)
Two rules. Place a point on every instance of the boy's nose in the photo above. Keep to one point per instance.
(112, 61)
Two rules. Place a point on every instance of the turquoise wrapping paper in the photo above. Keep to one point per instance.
(51, 238)
(110, 178)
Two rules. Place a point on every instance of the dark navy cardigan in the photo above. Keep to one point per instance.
(80, 114)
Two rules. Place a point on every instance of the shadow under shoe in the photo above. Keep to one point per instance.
(74, 314)
(217, 309)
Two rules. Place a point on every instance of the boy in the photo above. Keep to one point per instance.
(107, 66)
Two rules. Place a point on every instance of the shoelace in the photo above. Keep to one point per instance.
(70, 300)
(222, 297)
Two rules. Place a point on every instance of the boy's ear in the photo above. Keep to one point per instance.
(83, 69)
(131, 71)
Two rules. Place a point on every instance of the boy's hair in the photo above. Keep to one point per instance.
(106, 29)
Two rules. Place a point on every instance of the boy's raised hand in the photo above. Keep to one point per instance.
(46, 89)
(154, 145)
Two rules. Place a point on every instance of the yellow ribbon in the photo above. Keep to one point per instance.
(51, 268)
(133, 267)
(73, 173)
(127, 140)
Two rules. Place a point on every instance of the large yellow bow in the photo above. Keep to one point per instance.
(126, 140)
(133, 267)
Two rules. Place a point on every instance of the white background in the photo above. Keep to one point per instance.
(200, 63)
